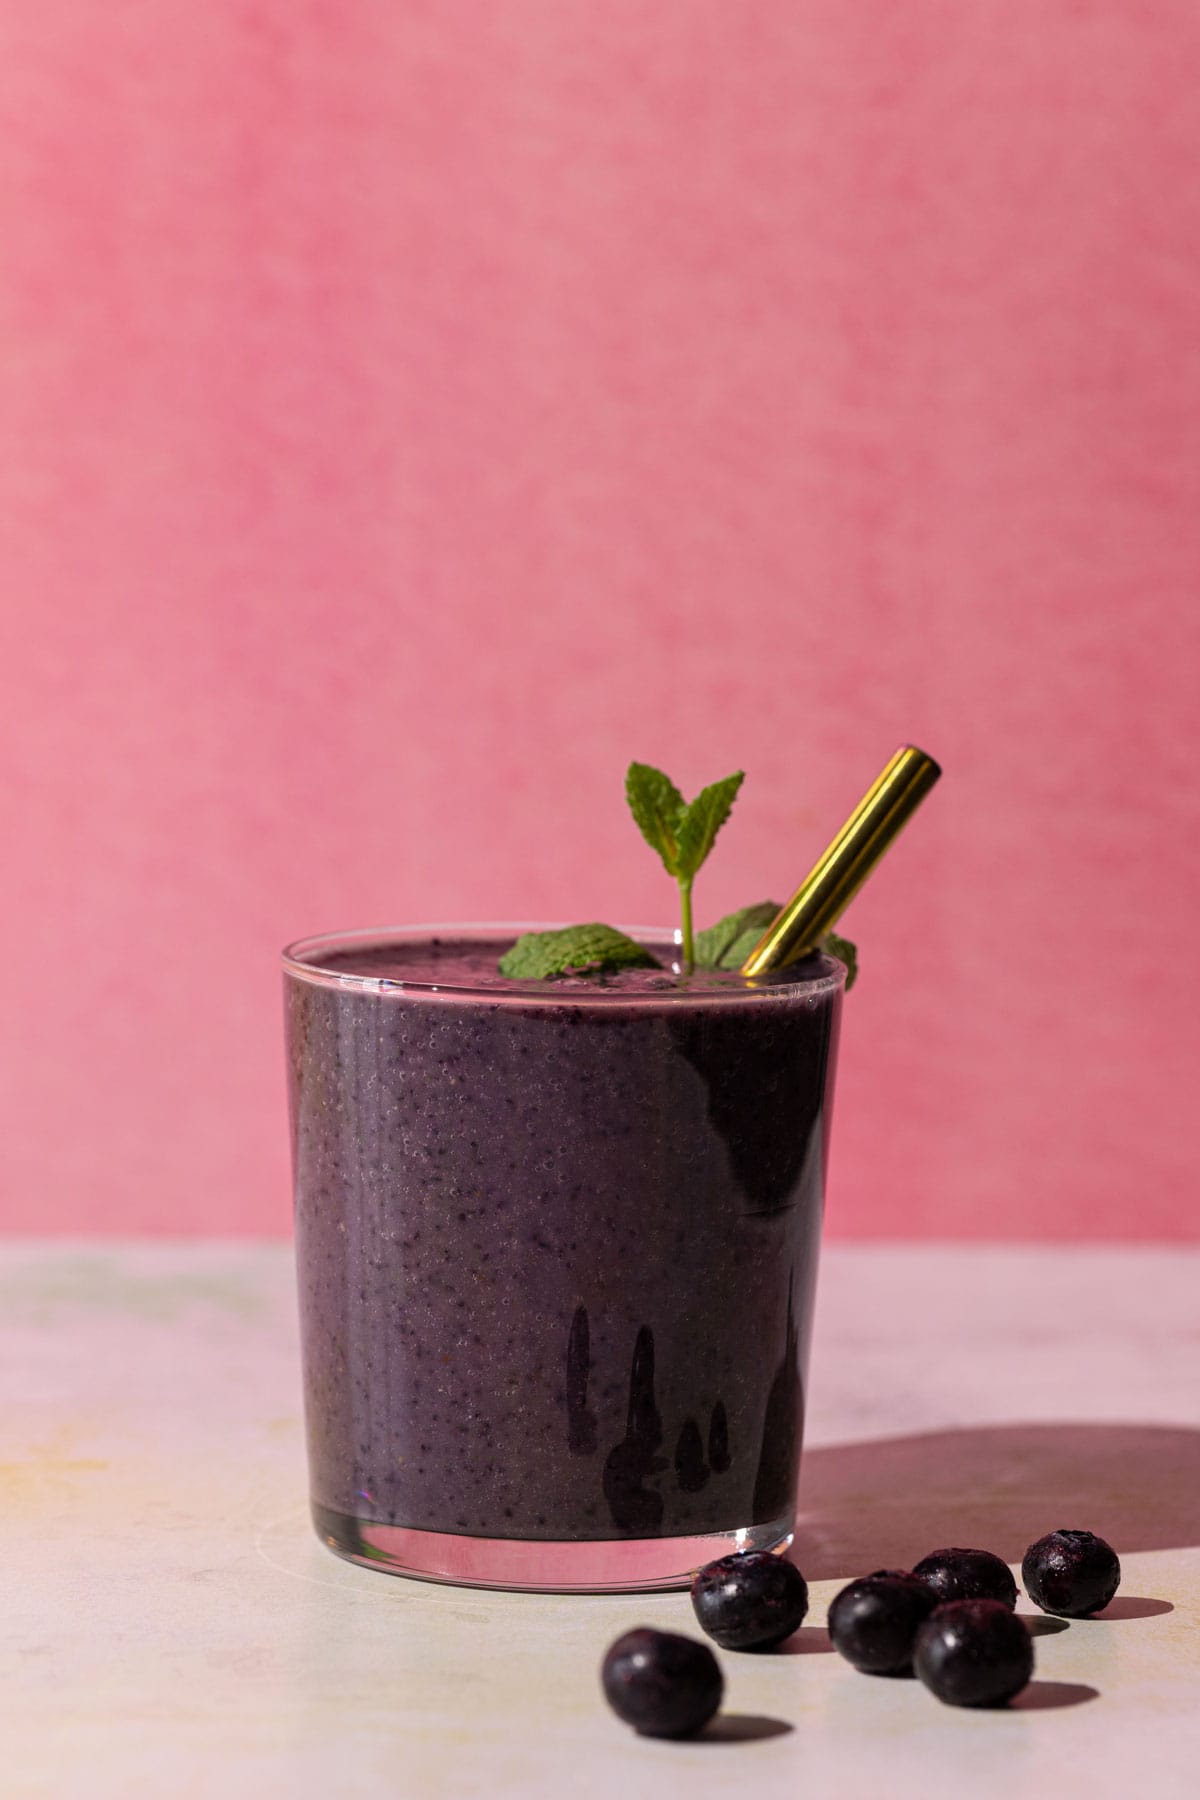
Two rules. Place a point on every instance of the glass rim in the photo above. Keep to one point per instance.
(296, 963)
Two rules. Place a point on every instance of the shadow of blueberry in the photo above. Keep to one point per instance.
(742, 1728)
(809, 1640)
(1131, 1606)
(1039, 1625)
(1044, 1696)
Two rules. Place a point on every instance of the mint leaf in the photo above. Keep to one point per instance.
(658, 809)
(714, 946)
(741, 947)
(576, 949)
(701, 822)
(728, 943)
(845, 951)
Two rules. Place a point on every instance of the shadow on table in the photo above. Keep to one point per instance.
(742, 1728)
(810, 1640)
(1050, 1696)
(886, 1503)
(1038, 1625)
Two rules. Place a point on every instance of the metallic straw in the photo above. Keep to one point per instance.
(838, 874)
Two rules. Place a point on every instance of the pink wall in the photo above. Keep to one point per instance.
(412, 412)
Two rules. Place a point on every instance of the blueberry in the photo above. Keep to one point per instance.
(873, 1621)
(750, 1601)
(661, 1684)
(973, 1653)
(1072, 1573)
(967, 1575)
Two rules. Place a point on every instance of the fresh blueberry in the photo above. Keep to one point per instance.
(1072, 1573)
(873, 1621)
(967, 1575)
(973, 1653)
(661, 1684)
(750, 1601)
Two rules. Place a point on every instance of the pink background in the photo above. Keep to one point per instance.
(413, 412)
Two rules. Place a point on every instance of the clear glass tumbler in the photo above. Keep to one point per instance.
(556, 1247)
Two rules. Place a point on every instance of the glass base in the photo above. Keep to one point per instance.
(605, 1566)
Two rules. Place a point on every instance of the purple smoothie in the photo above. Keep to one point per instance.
(556, 1241)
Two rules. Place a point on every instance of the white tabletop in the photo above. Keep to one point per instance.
(171, 1625)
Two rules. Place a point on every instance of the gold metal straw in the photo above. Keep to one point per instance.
(838, 874)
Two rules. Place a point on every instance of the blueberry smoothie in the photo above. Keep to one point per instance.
(557, 1243)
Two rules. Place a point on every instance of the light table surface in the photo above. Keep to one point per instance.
(171, 1625)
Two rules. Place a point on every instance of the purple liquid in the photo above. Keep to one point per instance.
(556, 1248)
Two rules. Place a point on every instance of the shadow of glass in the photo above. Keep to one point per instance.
(1045, 1696)
(886, 1503)
(1133, 1606)
(810, 1640)
(742, 1728)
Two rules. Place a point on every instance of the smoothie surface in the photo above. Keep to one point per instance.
(469, 964)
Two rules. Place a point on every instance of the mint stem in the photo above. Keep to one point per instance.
(685, 907)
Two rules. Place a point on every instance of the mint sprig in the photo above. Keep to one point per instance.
(681, 833)
(575, 950)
